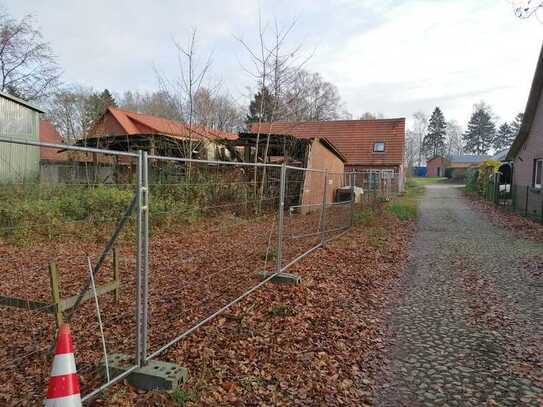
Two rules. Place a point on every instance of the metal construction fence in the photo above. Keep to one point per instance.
(525, 200)
(138, 251)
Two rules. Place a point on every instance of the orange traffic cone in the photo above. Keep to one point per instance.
(63, 390)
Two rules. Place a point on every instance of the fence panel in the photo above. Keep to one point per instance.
(173, 242)
(213, 228)
(54, 217)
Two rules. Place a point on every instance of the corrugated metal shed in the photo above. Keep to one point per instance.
(18, 119)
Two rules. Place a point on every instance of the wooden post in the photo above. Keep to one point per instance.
(116, 274)
(55, 293)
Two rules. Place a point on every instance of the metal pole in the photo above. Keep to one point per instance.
(323, 210)
(145, 254)
(352, 199)
(526, 203)
(139, 258)
(280, 218)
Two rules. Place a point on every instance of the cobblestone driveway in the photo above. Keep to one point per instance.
(469, 326)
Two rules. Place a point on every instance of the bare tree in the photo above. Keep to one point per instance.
(159, 103)
(28, 67)
(67, 111)
(420, 125)
(371, 116)
(453, 136)
(217, 111)
(411, 148)
(527, 8)
(182, 88)
(310, 97)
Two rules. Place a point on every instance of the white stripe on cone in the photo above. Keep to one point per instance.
(63, 364)
(69, 401)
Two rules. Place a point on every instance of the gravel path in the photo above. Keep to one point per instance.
(468, 328)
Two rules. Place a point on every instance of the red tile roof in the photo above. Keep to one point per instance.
(353, 138)
(48, 134)
(139, 123)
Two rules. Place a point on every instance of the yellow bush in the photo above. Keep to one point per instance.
(487, 169)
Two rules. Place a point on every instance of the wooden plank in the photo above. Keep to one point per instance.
(55, 292)
(26, 304)
(69, 302)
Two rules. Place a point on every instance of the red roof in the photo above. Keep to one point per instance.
(353, 138)
(48, 134)
(139, 123)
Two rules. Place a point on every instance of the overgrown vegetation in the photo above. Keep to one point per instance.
(405, 207)
(477, 180)
(63, 210)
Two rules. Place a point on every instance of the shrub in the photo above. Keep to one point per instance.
(486, 170)
(472, 184)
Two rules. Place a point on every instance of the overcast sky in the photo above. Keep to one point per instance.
(394, 57)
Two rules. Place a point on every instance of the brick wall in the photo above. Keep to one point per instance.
(436, 167)
(321, 158)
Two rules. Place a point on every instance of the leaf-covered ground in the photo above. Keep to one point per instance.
(300, 345)
(317, 343)
(516, 224)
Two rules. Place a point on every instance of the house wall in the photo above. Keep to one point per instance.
(321, 158)
(436, 167)
(532, 149)
(18, 163)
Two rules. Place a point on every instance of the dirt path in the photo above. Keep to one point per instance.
(468, 329)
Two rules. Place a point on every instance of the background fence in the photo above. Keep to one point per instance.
(524, 200)
(172, 243)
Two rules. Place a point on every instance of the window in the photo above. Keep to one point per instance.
(538, 166)
(379, 147)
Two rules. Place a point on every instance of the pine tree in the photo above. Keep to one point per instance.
(261, 107)
(481, 131)
(504, 137)
(516, 123)
(96, 105)
(434, 141)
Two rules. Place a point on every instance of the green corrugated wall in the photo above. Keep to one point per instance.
(18, 163)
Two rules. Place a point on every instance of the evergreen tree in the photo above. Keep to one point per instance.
(96, 105)
(516, 123)
(481, 131)
(504, 137)
(434, 140)
(261, 107)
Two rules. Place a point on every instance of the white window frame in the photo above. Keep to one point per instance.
(538, 163)
(379, 151)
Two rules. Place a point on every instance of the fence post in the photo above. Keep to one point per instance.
(323, 210)
(527, 198)
(280, 218)
(142, 245)
(353, 180)
(145, 270)
(497, 184)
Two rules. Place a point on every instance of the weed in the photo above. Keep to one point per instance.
(181, 396)
(282, 310)
(404, 210)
